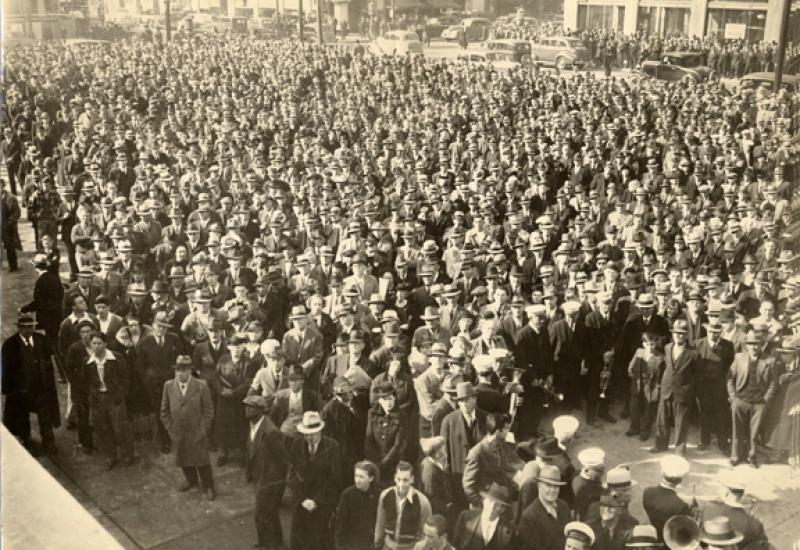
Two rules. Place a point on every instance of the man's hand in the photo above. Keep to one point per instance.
(309, 505)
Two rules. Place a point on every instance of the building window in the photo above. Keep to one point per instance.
(593, 17)
(753, 20)
(676, 21)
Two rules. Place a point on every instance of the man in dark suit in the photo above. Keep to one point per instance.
(534, 355)
(714, 358)
(346, 423)
(156, 354)
(661, 502)
(677, 390)
(567, 337)
(486, 528)
(314, 480)
(462, 429)
(490, 397)
(731, 504)
(48, 296)
(601, 336)
(290, 403)
(267, 464)
(543, 520)
(485, 464)
(29, 386)
(612, 528)
(106, 380)
(752, 383)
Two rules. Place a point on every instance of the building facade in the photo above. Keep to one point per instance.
(752, 20)
(36, 19)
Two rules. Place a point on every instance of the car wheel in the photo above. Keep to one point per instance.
(561, 63)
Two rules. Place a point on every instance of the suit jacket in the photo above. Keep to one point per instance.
(205, 358)
(366, 288)
(586, 492)
(621, 533)
(315, 477)
(568, 348)
(468, 535)
(280, 406)
(188, 419)
(458, 441)
(538, 530)
(483, 466)
(109, 286)
(534, 354)
(440, 411)
(660, 504)
(155, 362)
(766, 377)
(601, 336)
(115, 323)
(713, 362)
(304, 349)
(436, 486)
(267, 456)
(115, 376)
(679, 378)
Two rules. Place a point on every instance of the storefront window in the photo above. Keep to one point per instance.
(753, 20)
(676, 21)
(648, 23)
(592, 17)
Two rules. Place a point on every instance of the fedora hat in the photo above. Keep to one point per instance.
(753, 339)
(645, 300)
(258, 401)
(183, 362)
(451, 291)
(548, 448)
(431, 312)
(550, 475)
(619, 477)
(295, 372)
(498, 493)
(465, 390)
(298, 312)
(680, 325)
(312, 423)
(26, 320)
(643, 536)
(719, 532)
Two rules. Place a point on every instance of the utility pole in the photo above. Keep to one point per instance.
(167, 20)
(300, 20)
(319, 21)
(787, 6)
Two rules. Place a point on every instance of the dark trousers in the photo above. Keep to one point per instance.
(529, 415)
(111, 426)
(310, 529)
(591, 392)
(746, 416)
(268, 522)
(713, 407)
(12, 177)
(82, 408)
(672, 414)
(191, 474)
(17, 419)
(643, 412)
(155, 389)
(10, 247)
(570, 387)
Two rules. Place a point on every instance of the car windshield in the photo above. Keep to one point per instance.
(686, 60)
(574, 42)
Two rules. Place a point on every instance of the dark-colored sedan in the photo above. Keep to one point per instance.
(675, 66)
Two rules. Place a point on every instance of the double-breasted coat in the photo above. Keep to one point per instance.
(188, 419)
(386, 440)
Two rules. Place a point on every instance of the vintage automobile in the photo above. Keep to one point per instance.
(397, 43)
(676, 66)
(502, 60)
(477, 28)
(437, 25)
(562, 52)
(756, 80)
(519, 50)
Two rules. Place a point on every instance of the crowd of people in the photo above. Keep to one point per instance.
(371, 280)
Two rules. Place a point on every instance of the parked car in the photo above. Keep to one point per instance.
(498, 59)
(477, 28)
(676, 66)
(310, 33)
(755, 80)
(559, 51)
(437, 25)
(397, 43)
(519, 50)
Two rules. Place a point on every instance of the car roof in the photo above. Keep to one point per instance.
(767, 76)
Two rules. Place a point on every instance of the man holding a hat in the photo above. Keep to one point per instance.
(187, 413)
(462, 429)
(314, 479)
(29, 385)
(486, 527)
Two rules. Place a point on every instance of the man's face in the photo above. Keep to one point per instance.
(431, 536)
(403, 481)
(753, 351)
(468, 405)
(98, 346)
(679, 338)
(609, 513)
(549, 493)
(573, 544)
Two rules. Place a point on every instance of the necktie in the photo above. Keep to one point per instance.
(277, 381)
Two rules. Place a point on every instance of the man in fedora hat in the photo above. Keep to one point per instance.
(267, 464)
(462, 429)
(48, 297)
(644, 536)
(292, 402)
(314, 479)
(732, 505)
(752, 383)
(446, 404)
(542, 522)
(156, 354)
(345, 418)
(612, 527)
(186, 414)
(486, 527)
(433, 329)
(601, 336)
(29, 385)
(534, 355)
(714, 358)
(302, 344)
(677, 390)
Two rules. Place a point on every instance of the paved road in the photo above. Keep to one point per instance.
(140, 507)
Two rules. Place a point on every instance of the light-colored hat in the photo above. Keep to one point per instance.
(483, 364)
(565, 426)
(430, 444)
(643, 536)
(674, 466)
(718, 531)
(271, 348)
(571, 307)
(551, 475)
(592, 457)
(579, 531)
(312, 423)
(619, 477)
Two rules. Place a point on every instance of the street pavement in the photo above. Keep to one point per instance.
(141, 508)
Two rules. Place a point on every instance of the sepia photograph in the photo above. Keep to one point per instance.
(400, 275)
